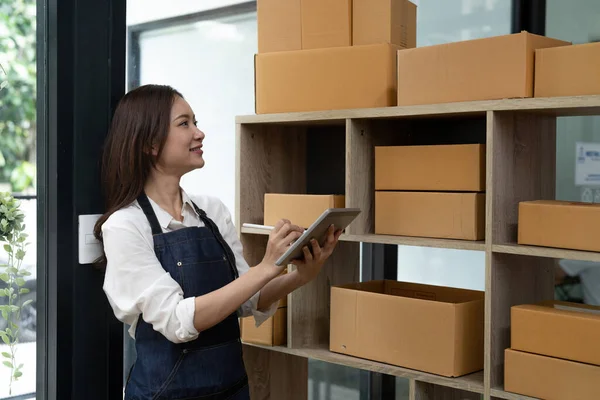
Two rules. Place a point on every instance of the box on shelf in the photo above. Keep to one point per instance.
(300, 209)
(326, 79)
(279, 25)
(482, 69)
(384, 21)
(272, 332)
(326, 23)
(550, 378)
(428, 328)
(567, 71)
(431, 214)
(557, 329)
(441, 168)
(560, 224)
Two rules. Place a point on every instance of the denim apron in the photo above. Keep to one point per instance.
(210, 367)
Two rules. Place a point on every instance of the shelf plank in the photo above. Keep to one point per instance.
(472, 382)
(501, 394)
(417, 241)
(398, 240)
(559, 106)
(547, 252)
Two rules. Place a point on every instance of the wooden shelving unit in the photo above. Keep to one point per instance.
(332, 152)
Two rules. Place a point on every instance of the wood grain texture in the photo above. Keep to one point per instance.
(360, 175)
(309, 306)
(270, 159)
(501, 394)
(513, 280)
(547, 252)
(471, 382)
(273, 375)
(522, 151)
(558, 106)
(521, 165)
(430, 391)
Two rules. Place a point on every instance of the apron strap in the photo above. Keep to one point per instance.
(215, 230)
(149, 211)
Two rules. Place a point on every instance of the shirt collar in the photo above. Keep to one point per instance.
(164, 218)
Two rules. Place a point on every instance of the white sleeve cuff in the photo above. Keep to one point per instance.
(250, 308)
(185, 314)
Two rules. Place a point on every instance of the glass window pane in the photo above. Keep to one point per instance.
(17, 179)
(581, 280)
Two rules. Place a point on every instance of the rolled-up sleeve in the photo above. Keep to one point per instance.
(135, 283)
(250, 307)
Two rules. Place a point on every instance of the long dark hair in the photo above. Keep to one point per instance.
(141, 122)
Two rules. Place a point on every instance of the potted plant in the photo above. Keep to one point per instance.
(12, 273)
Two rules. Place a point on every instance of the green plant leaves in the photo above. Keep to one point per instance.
(20, 281)
(5, 277)
(4, 338)
(8, 364)
(27, 303)
(23, 291)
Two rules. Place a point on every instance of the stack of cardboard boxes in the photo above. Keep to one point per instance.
(431, 191)
(330, 54)
(554, 352)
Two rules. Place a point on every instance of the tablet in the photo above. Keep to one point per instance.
(340, 218)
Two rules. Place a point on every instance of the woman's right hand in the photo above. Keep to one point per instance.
(281, 237)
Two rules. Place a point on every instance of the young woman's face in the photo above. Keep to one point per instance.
(182, 151)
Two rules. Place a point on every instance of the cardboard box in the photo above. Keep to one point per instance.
(279, 25)
(427, 328)
(550, 378)
(326, 23)
(567, 71)
(272, 332)
(561, 224)
(483, 69)
(384, 21)
(557, 329)
(300, 209)
(441, 168)
(326, 79)
(431, 214)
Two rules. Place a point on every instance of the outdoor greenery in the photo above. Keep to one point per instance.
(13, 236)
(17, 94)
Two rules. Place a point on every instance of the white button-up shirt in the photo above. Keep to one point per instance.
(136, 283)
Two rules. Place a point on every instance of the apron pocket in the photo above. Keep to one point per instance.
(205, 371)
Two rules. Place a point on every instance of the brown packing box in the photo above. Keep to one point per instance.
(431, 214)
(326, 23)
(441, 168)
(427, 328)
(560, 224)
(279, 25)
(568, 71)
(550, 378)
(557, 329)
(384, 21)
(272, 332)
(483, 69)
(326, 79)
(300, 209)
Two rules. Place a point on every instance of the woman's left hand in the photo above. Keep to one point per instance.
(309, 267)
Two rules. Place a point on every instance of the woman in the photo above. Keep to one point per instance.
(174, 265)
